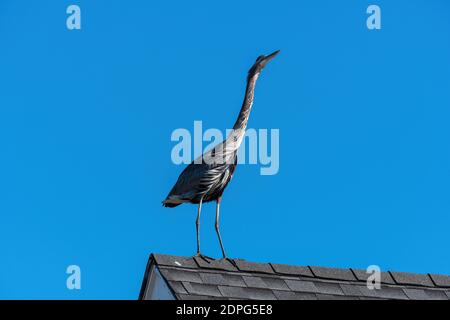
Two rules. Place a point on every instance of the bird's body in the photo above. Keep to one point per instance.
(206, 177)
(201, 181)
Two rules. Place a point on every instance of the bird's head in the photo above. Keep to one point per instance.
(261, 62)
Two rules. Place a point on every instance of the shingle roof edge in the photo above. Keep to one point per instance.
(337, 274)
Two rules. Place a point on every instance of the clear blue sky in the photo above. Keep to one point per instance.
(86, 118)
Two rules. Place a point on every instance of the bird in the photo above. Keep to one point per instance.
(206, 178)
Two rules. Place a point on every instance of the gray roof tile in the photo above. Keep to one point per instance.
(292, 270)
(333, 273)
(441, 280)
(362, 275)
(202, 289)
(247, 266)
(265, 283)
(196, 297)
(321, 296)
(247, 293)
(193, 278)
(219, 264)
(180, 275)
(350, 289)
(328, 288)
(384, 292)
(177, 287)
(301, 286)
(290, 295)
(275, 284)
(255, 282)
(222, 279)
(436, 294)
(412, 279)
(416, 294)
(174, 261)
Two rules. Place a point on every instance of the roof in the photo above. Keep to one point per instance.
(192, 278)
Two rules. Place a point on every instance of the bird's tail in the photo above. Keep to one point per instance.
(169, 204)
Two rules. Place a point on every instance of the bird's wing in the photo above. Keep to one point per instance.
(191, 181)
(201, 174)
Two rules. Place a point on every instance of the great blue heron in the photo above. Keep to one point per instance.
(206, 177)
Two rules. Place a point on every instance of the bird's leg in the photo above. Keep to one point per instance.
(218, 227)
(197, 224)
(218, 234)
(232, 262)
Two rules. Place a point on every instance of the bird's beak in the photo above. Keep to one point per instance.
(269, 57)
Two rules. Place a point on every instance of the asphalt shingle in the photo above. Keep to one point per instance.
(177, 287)
(180, 275)
(222, 279)
(412, 279)
(255, 282)
(436, 294)
(174, 261)
(265, 282)
(328, 288)
(247, 293)
(441, 280)
(384, 292)
(333, 273)
(416, 294)
(301, 286)
(321, 296)
(202, 289)
(290, 295)
(219, 264)
(247, 266)
(292, 270)
(196, 297)
(275, 284)
(362, 275)
(350, 290)
(195, 278)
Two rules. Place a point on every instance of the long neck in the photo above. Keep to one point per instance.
(242, 119)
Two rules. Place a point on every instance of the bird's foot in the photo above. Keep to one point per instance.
(204, 258)
(233, 263)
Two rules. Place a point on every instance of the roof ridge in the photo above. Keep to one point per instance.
(195, 278)
(421, 280)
